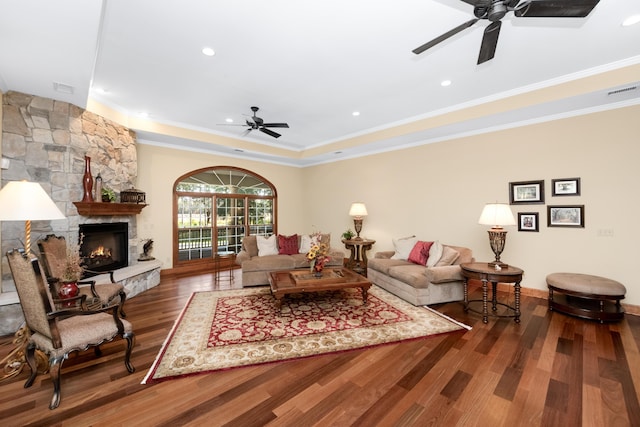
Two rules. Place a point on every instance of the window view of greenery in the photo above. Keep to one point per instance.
(244, 204)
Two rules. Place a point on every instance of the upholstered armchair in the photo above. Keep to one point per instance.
(53, 250)
(57, 333)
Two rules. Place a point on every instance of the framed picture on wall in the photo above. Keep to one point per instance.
(528, 221)
(565, 216)
(526, 192)
(565, 187)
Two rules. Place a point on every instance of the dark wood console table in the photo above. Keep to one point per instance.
(358, 259)
(486, 273)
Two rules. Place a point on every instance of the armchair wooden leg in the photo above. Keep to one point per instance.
(127, 355)
(54, 372)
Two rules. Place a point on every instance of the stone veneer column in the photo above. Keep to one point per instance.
(46, 141)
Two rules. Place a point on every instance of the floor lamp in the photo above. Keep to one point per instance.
(24, 201)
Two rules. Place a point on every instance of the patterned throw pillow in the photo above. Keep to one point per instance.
(306, 241)
(287, 245)
(420, 253)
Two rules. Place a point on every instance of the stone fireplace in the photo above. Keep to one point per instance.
(45, 141)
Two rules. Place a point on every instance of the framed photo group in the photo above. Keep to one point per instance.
(532, 192)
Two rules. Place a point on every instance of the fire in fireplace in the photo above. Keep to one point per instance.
(104, 247)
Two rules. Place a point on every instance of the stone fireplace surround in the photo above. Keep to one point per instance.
(45, 141)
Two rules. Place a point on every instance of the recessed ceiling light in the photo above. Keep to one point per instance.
(338, 152)
(238, 150)
(102, 90)
(143, 114)
(228, 120)
(355, 113)
(208, 51)
(445, 83)
(632, 20)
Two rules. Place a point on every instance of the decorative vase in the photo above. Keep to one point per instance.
(68, 290)
(318, 273)
(98, 188)
(87, 181)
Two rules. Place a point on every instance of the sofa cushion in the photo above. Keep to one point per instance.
(403, 246)
(435, 253)
(306, 241)
(444, 274)
(410, 273)
(287, 245)
(250, 245)
(449, 256)
(267, 246)
(269, 263)
(420, 253)
(384, 264)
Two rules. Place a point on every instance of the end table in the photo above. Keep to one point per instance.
(487, 273)
(358, 259)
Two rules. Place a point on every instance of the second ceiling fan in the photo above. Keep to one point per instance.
(495, 10)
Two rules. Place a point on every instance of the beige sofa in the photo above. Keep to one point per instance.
(419, 284)
(256, 269)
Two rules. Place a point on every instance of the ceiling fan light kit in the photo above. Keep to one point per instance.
(495, 10)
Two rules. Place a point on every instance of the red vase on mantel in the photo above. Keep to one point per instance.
(87, 181)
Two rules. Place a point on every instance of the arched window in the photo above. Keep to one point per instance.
(215, 207)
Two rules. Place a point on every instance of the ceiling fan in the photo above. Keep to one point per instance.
(256, 123)
(495, 10)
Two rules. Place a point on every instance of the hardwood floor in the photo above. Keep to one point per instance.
(550, 370)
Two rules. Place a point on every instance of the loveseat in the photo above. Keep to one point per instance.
(433, 279)
(289, 254)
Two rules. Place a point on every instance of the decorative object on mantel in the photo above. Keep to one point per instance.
(146, 251)
(497, 215)
(132, 195)
(98, 189)
(111, 209)
(87, 181)
(108, 195)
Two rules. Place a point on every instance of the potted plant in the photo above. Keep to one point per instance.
(348, 235)
(108, 195)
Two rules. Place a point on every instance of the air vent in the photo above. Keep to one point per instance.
(625, 89)
(62, 88)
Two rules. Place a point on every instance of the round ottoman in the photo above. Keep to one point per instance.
(586, 296)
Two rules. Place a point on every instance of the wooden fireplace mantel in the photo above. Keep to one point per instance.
(102, 208)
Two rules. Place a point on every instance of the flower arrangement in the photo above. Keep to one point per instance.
(318, 255)
(73, 268)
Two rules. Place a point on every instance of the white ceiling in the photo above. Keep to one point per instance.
(310, 64)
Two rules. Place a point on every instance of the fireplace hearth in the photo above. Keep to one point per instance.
(105, 247)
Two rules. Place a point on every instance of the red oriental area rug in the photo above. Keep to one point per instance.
(227, 329)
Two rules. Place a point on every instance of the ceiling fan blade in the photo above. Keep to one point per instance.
(489, 42)
(275, 125)
(444, 36)
(556, 9)
(246, 132)
(270, 132)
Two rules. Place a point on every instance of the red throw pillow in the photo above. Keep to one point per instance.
(287, 245)
(420, 252)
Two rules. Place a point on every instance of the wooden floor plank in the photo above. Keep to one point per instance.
(500, 373)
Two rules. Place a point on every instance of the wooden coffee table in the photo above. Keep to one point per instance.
(298, 281)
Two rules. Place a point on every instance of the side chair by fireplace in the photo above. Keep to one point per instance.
(57, 333)
(53, 250)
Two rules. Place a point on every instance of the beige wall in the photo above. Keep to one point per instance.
(437, 191)
(159, 168)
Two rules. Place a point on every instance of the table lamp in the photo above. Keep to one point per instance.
(497, 215)
(358, 211)
(27, 201)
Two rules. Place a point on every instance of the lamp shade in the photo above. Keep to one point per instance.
(497, 215)
(358, 210)
(22, 201)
